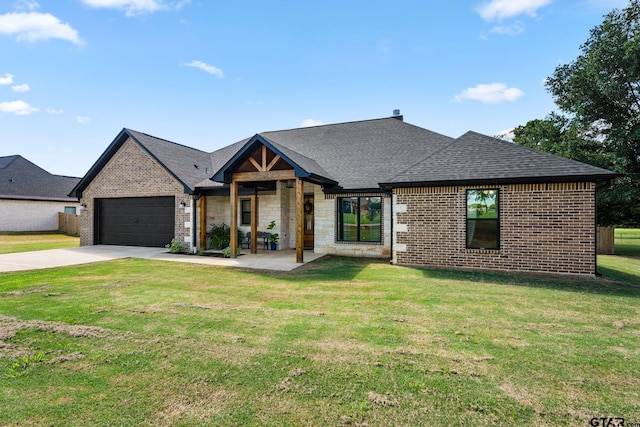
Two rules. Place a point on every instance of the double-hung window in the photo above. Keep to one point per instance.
(359, 219)
(483, 219)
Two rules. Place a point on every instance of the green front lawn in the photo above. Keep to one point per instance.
(338, 342)
(25, 242)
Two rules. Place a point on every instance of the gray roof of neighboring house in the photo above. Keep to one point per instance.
(477, 158)
(22, 180)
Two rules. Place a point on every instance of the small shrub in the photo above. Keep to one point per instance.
(226, 252)
(220, 236)
(175, 247)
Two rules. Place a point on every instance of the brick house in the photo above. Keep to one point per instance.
(373, 188)
(31, 197)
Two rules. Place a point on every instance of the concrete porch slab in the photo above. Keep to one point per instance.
(284, 260)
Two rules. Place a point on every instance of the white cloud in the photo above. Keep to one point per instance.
(21, 88)
(19, 108)
(211, 69)
(508, 30)
(137, 7)
(491, 93)
(35, 26)
(496, 10)
(26, 5)
(7, 79)
(506, 134)
(83, 119)
(311, 122)
(53, 111)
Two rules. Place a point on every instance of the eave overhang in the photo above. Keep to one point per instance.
(502, 181)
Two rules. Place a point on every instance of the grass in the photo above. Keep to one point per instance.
(338, 342)
(25, 242)
(625, 265)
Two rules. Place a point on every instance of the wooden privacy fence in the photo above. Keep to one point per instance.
(68, 224)
(605, 240)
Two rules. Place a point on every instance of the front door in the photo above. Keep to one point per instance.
(308, 221)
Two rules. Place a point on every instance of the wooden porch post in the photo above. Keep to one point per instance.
(203, 223)
(233, 244)
(254, 222)
(299, 220)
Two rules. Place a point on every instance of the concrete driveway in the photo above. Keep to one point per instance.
(269, 260)
(73, 256)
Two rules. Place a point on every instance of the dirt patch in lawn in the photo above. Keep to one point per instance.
(11, 326)
(21, 292)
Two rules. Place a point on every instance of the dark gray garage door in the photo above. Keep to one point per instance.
(140, 221)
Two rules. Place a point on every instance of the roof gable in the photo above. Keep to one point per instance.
(303, 167)
(187, 165)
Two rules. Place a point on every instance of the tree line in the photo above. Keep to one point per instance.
(598, 122)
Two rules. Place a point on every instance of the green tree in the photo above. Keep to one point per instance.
(564, 137)
(602, 86)
(599, 93)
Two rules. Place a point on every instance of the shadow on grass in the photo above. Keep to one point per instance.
(334, 268)
(611, 282)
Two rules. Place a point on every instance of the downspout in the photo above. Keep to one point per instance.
(595, 226)
(194, 199)
(391, 229)
(389, 191)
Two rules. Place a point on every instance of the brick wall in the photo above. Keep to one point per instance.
(131, 172)
(543, 228)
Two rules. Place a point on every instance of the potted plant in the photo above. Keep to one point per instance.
(274, 237)
(220, 236)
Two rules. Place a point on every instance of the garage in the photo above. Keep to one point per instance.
(135, 221)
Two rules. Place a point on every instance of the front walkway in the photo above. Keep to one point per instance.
(284, 260)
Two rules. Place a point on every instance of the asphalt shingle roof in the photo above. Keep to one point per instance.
(359, 155)
(477, 157)
(365, 154)
(21, 179)
(189, 165)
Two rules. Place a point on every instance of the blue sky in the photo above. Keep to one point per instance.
(207, 73)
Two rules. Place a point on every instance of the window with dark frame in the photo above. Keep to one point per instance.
(245, 212)
(360, 219)
(483, 219)
(70, 210)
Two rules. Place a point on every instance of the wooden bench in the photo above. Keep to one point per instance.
(263, 239)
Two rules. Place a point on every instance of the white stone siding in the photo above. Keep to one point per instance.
(326, 241)
(280, 206)
(31, 215)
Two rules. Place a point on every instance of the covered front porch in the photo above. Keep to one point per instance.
(262, 185)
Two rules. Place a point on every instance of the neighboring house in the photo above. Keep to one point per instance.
(30, 197)
(373, 188)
